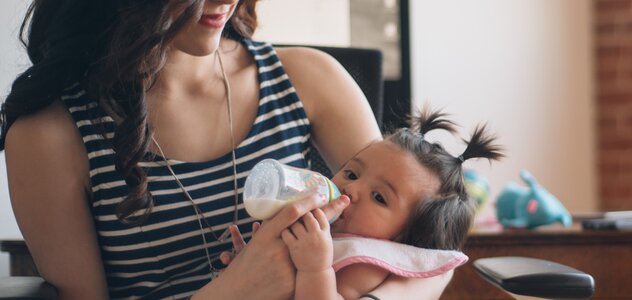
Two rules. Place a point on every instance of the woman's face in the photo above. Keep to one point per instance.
(201, 37)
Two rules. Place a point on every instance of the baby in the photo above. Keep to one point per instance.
(403, 189)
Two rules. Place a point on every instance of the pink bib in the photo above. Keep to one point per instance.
(399, 259)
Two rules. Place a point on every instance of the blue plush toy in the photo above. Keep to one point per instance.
(530, 207)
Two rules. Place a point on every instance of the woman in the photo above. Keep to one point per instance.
(128, 139)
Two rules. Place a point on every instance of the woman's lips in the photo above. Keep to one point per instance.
(213, 20)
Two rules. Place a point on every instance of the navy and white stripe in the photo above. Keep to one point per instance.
(164, 257)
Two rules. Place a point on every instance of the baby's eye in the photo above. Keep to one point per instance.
(379, 198)
(350, 175)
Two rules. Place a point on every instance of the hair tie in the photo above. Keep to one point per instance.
(414, 132)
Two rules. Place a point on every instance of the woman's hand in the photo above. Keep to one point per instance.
(263, 269)
(238, 242)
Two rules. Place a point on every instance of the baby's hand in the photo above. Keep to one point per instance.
(310, 243)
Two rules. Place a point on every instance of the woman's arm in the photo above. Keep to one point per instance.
(355, 280)
(341, 118)
(47, 169)
(396, 287)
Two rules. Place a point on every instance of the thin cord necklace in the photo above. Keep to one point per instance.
(199, 214)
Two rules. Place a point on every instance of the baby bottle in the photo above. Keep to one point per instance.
(271, 185)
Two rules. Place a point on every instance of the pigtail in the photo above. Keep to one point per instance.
(430, 120)
(443, 218)
(481, 145)
(439, 222)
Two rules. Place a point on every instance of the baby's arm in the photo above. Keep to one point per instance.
(355, 280)
(311, 250)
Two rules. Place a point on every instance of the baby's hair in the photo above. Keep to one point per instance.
(442, 220)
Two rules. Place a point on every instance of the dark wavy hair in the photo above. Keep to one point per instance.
(441, 221)
(115, 49)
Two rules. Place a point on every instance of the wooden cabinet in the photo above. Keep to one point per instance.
(606, 255)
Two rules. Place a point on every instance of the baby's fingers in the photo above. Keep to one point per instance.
(287, 237)
(310, 222)
(321, 218)
(298, 229)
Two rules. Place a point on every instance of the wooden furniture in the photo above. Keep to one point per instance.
(20, 260)
(606, 255)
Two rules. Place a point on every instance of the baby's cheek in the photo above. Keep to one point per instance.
(337, 180)
(335, 227)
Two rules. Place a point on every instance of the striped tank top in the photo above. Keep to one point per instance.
(164, 257)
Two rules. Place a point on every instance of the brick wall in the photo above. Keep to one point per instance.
(613, 48)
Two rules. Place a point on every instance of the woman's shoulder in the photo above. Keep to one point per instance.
(51, 130)
(306, 61)
(317, 76)
(45, 124)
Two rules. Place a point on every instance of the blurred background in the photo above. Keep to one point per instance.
(552, 78)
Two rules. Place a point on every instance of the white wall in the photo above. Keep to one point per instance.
(12, 61)
(309, 22)
(525, 66)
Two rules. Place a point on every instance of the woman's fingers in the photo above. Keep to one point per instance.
(238, 244)
(226, 257)
(255, 227)
(238, 239)
(334, 208)
(289, 215)
(321, 218)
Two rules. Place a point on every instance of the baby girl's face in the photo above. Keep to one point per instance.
(385, 183)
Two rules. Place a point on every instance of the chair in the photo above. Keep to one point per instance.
(535, 277)
(365, 67)
(26, 287)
